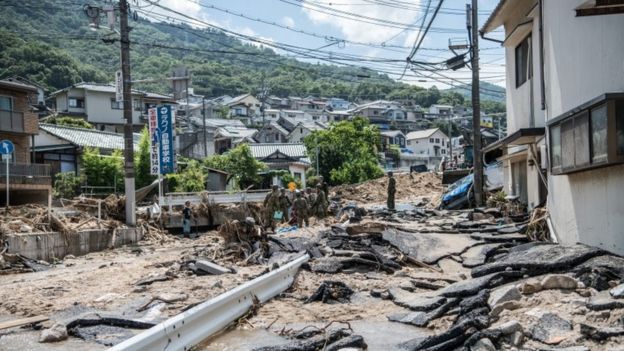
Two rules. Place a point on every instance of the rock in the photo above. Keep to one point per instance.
(539, 258)
(517, 338)
(210, 267)
(530, 287)
(509, 327)
(58, 332)
(600, 333)
(509, 305)
(407, 286)
(558, 281)
(504, 294)
(551, 329)
(617, 292)
(69, 257)
(603, 301)
(484, 344)
(415, 302)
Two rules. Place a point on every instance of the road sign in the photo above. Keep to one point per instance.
(6, 147)
(152, 123)
(118, 86)
(166, 135)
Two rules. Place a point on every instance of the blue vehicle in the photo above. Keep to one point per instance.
(460, 195)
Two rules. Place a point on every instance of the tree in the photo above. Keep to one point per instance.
(142, 161)
(240, 164)
(190, 179)
(67, 185)
(67, 121)
(347, 151)
(102, 170)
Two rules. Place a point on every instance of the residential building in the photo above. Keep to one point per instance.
(290, 157)
(303, 129)
(565, 113)
(278, 103)
(429, 147)
(61, 147)
(28, 182)
(380, 111)
(244, 107)
(441, 110)
(272, 133)
(392, 137)
(226, 138)
(338, 104)
(97, 105)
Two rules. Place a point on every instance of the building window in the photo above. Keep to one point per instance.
(375, 112)
(590, 136)
(76, 102)
(116, 105)
(277, 137)
(6, 103)
(431, 140)
(267, 138)
(443, 151)
(437, 140)
(138, 106)
(409, 142)
(524, 65)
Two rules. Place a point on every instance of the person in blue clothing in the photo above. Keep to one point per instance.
(187, 215)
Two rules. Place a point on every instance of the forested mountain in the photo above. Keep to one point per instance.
(49, 41)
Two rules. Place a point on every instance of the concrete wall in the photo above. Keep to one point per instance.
(584, 58)
(98, 109)
(47, 246)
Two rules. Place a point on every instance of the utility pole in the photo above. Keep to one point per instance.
(476, 107)
(204, 132)
(127, 113)
(450, 140)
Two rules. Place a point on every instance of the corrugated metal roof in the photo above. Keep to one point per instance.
(294, 150)
(88, 137)
(421, 134)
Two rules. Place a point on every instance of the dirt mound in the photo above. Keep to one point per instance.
(409, 187)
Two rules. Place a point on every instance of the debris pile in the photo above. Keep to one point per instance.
(312, 338)
(409, 186)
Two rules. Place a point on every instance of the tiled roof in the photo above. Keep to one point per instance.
(294, 150)
(279, 128)
(12, 84)
(421, 134)
(229, 132)
(88, 137)
(391, 133)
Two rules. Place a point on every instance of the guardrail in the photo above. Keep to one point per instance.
(189, 328)
(217, 197)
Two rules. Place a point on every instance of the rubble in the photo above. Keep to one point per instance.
(331, 292)
(56, 333)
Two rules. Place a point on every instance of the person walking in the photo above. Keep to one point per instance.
(187, 215)
(391, 191)
(285, 204)
(271, 205)
(301, 208)
(321, 202)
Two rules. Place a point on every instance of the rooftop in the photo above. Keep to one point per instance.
(294, 150)
(421, 134)
(12, 84)
(88, 137)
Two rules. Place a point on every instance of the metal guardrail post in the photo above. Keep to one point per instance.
(189, 328)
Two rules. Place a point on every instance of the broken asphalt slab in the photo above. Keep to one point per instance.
(551, 329)
(429, 248)
(415, 302)
(534, 259)
(478, 255)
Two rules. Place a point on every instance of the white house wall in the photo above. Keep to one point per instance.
(584, 59)
(98, 109)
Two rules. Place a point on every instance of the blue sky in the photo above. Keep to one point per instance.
(322, 17)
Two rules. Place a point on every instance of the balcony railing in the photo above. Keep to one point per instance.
(11, 121)
(27, 170)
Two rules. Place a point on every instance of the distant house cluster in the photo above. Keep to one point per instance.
(275, 127)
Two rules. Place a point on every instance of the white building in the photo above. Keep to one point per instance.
(430, 142)
(579, 99)
(96, 103)
(442, 110)
(303, 129)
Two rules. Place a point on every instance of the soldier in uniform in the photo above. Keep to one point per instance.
(311, 197)
(301, 210)
(271, 204)
(391, 190)
(285, 204)
(321, 202)
(324, 186)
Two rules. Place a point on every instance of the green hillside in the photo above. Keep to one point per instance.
(50, 42)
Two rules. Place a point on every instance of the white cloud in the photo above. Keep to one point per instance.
(365, 32)
(288, 21)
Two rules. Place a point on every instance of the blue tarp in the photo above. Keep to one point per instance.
(458, 189)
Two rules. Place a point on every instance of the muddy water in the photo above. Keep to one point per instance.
(379, 335)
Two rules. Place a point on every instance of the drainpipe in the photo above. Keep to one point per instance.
(482, 35)
(541, 39)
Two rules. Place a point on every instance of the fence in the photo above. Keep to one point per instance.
(218, 197)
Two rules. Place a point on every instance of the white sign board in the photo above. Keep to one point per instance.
(152, 120)
(118, 87)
